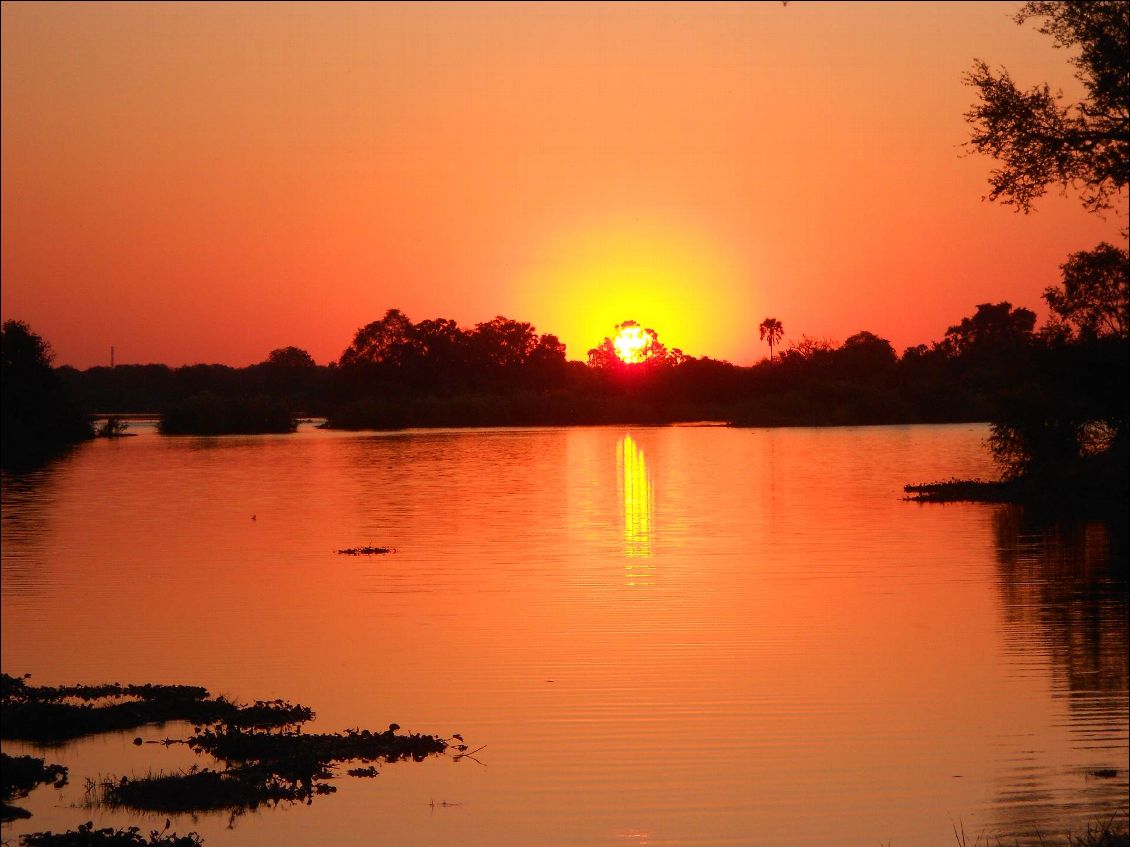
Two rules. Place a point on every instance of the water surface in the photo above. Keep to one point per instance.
(681, 635)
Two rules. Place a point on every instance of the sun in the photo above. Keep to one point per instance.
(632, 343)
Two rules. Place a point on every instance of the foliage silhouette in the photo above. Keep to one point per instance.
(87, 836)
(266, 757)
(47, 714)
(19, 775)
(1040, 142)
(1064, 419)
(1055, 396)
(40, 418)
(1093, 299)
(771, 330)
(209, 414)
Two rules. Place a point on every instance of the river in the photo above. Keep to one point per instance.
(670, 635)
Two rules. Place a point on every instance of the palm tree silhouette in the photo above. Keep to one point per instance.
(772, 330)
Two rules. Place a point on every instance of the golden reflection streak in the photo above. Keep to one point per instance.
(636, 498)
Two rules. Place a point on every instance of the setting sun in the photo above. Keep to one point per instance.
(632, 343)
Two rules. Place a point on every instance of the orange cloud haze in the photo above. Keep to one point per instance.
(208, 182)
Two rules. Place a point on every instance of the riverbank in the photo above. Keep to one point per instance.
(1099, 482)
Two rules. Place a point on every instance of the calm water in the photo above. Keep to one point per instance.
(687, 635)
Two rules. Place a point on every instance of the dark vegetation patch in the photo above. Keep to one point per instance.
(19, 775)
(959, 491)
(1100, 835)
(113, 427)
(205, 790)
(39, 416)
(265, 757)
(365, 551)
(1106, 833)
(299, 754)
(207, 413)
(60, 713)
(368, 772)
(9, 813)
(87, 836)
(263, 766)
(1084, 483)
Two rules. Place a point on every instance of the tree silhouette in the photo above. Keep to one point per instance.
(993, 328)
(1046, 420)
(39, 416)
(1095, 295)
(1039, 142)
(771, 331)
(503, 343)
(290, 358)
(385, 341)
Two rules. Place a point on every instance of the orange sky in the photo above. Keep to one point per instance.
(208, 182)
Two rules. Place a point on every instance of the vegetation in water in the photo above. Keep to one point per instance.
(207, 413)
(87, 836)
(113, 427)
(1082, 484)
(1100, 834)
(19, 775)
(266, 756)
(58, 713)
(263, 767)
(196, 790)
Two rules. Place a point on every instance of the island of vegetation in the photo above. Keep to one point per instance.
(266, 756)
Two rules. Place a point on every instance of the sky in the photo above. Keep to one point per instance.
(208, 182)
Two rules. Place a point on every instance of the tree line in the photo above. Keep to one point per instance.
(1054, 395)
(397, 372)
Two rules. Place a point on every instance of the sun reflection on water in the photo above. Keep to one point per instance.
(636, 497)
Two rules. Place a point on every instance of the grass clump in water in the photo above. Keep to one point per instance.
(266, 757)
(19, 775)
(263, 767)
(206, 790)
(87, 836)
(1102, 834)
(64, 712)
(961, 490)
(295, 751)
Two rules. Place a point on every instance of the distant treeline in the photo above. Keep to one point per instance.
(1055, 395)
(397, 373)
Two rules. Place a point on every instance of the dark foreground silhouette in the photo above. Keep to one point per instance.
(267, 759)
(87, 836)
(1084, 484)
(41, 416)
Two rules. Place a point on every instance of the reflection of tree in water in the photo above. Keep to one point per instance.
(1063, 585)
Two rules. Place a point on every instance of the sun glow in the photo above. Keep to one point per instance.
(666, 272)
(632, 343)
